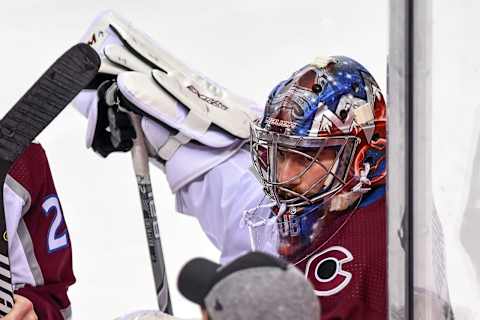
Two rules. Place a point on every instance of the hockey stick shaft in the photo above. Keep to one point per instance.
(55, 89)
(142, 172)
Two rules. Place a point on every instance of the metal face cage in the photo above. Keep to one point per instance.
(269, 148)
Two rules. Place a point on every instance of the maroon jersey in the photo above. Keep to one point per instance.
(39, 246)
(348, 268)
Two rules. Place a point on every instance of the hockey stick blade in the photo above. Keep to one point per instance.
(55, 89)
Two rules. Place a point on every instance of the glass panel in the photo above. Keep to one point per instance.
(397, 91)
(418, 285)
(434, 148)
(456, 147)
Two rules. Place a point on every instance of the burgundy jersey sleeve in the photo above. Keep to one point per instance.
(41, 255)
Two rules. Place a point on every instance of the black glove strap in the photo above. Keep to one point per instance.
(113, 131)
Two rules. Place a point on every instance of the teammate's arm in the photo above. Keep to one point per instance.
(22, 310)
(39, 245)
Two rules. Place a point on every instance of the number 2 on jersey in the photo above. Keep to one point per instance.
(51, 205)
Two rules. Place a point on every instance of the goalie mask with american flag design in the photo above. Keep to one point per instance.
(331, 105)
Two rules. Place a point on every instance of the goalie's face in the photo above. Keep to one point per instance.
(304, 173)
(299, 171)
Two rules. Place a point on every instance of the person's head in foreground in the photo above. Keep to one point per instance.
(319, 149)
(255, 286)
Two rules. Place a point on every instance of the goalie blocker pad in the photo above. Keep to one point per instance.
(181, 104)
(190, 160)
(122, 47)
(188, 139)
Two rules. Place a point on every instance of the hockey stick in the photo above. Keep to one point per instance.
(55, 89)
(142, 172)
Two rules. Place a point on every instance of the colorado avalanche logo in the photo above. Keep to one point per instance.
(325, 271)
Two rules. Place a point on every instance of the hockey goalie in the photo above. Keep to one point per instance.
(318, 149)
(302, 177)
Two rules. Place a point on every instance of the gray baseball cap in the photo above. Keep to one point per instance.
(255, 286)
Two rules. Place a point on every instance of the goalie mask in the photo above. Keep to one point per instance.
(320, 146)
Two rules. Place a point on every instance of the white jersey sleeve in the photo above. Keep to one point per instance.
(16, 200)
(218, 199)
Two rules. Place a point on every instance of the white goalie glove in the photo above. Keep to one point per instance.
(186, 115)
